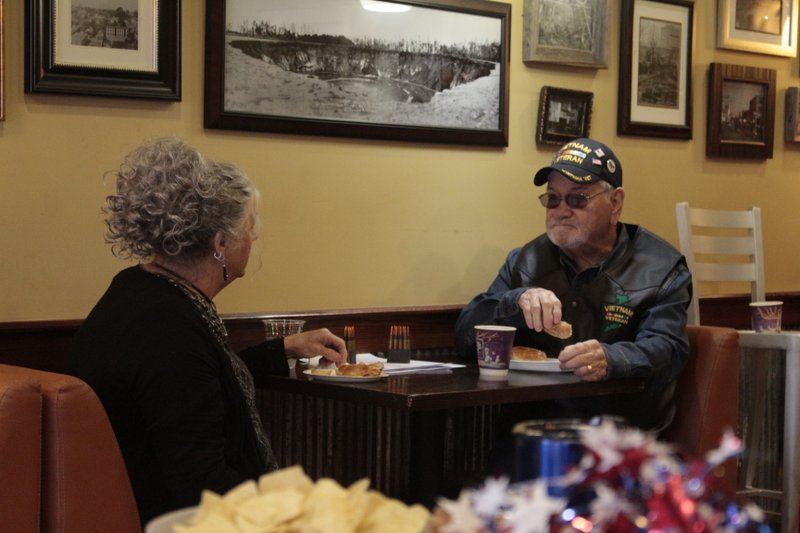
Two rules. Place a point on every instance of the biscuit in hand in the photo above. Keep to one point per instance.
(562, 330)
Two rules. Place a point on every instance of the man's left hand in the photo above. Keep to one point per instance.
(586, 359)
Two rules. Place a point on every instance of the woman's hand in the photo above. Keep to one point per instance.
(316, 342)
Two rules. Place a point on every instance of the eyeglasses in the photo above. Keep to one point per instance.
(576, 200)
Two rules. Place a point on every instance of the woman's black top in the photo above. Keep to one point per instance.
(178, 412)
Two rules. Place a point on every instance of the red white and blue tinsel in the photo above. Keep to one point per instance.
(627, 482)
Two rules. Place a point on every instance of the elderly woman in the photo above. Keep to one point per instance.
(181, 402)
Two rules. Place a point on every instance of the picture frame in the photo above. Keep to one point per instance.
(566, 32)
(791, 132)
(655, 75)
(765, 27)
(564, 115)
(2, 66)
(130, 49)
(741, 111)
(401, 76)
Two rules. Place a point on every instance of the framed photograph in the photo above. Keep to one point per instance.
(655, 75)
(761, 26)
(411, 70)
(564, 115)
(566, 32)
(741, 111)
(124, 48)
(792, 123)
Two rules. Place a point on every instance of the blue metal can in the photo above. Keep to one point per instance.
(547, 449)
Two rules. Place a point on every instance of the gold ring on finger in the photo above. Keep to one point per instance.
(589, 368)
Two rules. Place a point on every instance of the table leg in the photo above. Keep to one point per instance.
(791, 441)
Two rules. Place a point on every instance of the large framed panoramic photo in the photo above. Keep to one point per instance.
(761, 26)
(655, 76)
(425, 70)
(125, 48)
(741, 111)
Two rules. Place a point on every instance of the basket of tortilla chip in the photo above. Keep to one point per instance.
(289, 501)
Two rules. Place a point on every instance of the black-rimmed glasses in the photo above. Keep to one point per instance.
(576, 200)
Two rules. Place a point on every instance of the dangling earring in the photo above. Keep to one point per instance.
(219, 257)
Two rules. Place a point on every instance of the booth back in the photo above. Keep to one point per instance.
(71, 447)
(707, 396)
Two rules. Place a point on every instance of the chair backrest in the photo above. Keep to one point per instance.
(721, 246)
(20, 453)
(84, 482)
(707, 396)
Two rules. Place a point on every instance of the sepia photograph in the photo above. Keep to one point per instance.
(742, 117)
(569, 32)
(655, 75)
(106, 23)
(659, 62)
(338, 60)
(741, 111)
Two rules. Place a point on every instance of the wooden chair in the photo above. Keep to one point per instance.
(707, 397)
(84, 482)
(721, 246)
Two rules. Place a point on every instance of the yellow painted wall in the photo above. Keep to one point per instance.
(352, 223)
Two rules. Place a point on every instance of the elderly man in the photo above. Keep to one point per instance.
(624, 290)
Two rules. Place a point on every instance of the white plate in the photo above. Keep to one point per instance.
(344, 379)
(164, 523)
(551, 365)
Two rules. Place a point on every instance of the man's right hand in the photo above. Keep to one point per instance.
(541, 308)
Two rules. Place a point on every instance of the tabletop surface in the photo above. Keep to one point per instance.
(461, 387)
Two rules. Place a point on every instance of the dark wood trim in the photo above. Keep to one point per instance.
(43, 344)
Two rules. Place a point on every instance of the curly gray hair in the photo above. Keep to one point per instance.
(170, 200)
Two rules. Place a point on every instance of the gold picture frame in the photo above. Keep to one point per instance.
(760, 27)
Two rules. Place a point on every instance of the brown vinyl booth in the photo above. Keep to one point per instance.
(707, 397)
(56, 439)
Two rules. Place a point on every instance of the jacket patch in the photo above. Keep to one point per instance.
(617, 314)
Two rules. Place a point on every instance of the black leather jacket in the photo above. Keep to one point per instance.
(634, 303)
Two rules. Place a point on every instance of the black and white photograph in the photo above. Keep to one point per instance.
(119, 48)
(759, 15)
(655, 75)
(742, 117)
(106, 23)
(741, 111)
(341, 60)
(571, 32)
(659, 62)
(564, 115)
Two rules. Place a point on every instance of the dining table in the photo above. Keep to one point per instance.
(417, 437)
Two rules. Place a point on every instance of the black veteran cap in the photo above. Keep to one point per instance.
(584, 161)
